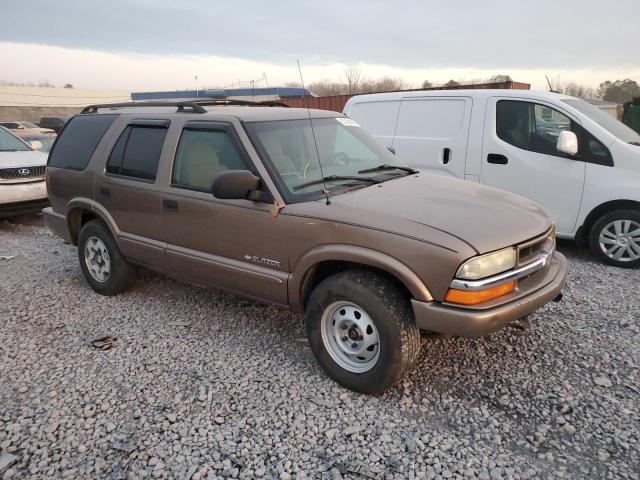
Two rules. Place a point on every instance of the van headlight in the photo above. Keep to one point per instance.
(486, 265)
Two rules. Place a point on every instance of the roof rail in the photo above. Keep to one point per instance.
(197, 106)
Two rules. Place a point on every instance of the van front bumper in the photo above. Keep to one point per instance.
(531, 293)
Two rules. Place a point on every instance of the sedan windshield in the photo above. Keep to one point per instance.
(606, 121)
(11, 143)
(336, 149)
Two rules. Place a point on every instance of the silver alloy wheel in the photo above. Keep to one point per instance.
(350, 337)
(96, 257)
(620, 240)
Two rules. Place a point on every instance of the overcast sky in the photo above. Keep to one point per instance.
(165, 43)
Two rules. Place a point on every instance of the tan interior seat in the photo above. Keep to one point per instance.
(199, 165)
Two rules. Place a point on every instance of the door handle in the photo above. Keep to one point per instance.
(445, 156)
(105, 192)
(497, 159)
(170, 205)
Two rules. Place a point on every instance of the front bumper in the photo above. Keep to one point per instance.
(21, 198)
(532, 293)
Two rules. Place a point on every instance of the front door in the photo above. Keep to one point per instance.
(519, 155)
(230, 244)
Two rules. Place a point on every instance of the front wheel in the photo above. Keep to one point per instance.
(615, 237)
(361, 330)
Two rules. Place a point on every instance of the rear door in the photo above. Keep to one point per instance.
(129, 191)
(432, 133)
(236, 245)
(520, 155)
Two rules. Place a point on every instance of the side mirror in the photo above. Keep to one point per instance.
(36, 144)
(567, 143)
(234, 184)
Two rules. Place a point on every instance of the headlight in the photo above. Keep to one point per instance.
(487, 265)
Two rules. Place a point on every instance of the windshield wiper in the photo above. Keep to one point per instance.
(335, 178)
(386, 166)
(635, 143)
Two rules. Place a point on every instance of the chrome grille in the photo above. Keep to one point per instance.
(530, 251)
(14, 175)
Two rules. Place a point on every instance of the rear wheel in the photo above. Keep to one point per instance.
(615, 237)
(361, 330)
(104, 267)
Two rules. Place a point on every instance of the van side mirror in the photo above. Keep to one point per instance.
(567, 143)
(234, 184)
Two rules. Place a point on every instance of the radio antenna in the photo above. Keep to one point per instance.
(313, 133)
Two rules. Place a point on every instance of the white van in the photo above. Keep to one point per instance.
(576, 160)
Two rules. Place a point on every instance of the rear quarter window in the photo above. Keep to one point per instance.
(79, 139)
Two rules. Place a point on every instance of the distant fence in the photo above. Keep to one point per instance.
(336, 103)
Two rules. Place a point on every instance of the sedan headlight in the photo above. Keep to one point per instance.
(486, 265)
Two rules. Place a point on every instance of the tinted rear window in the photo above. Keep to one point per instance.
(137, 152)
(78, 141)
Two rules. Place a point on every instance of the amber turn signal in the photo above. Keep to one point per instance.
(467, 297)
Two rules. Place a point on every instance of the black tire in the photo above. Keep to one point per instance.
(390, 311)
(594, 237)
(122, 275)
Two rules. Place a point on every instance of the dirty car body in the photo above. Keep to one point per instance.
(232, 197)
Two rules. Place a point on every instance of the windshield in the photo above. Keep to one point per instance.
(11, 143)
(344, 150)
(45, 140)
(606, 121)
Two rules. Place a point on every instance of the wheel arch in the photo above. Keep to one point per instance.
(323, 261)
(80, 211)
(585, 230)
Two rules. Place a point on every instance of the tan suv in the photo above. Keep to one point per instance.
(305, 210)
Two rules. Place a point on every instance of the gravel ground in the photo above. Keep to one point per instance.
(200, 384)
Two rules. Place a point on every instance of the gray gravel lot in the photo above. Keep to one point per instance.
(201, 384)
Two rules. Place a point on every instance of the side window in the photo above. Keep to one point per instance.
(530, 126)
(75, 146)
(536, 128)
(201, 155)
(137, 152)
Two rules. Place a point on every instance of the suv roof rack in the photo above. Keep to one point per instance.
(197, 106)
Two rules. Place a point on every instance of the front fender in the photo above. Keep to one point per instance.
(350, 253)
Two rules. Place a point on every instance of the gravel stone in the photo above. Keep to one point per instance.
(205, 384)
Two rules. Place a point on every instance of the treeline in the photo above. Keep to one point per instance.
(617, 91)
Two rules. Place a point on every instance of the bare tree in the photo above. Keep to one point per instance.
(384, 84)
(579, 91)
(499, 79)
(353, 73)
(427, 84)
(571, 88)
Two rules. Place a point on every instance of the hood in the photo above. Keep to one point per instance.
(485, 218)
(30, 158)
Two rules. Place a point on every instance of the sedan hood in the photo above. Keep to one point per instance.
(485, 218)
(22, 159)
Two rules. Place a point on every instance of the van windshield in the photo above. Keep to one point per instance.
(345, 150)
(606, 121)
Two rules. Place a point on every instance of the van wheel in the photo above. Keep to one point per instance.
(103, 265)
(361, 330)
(615, 237)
